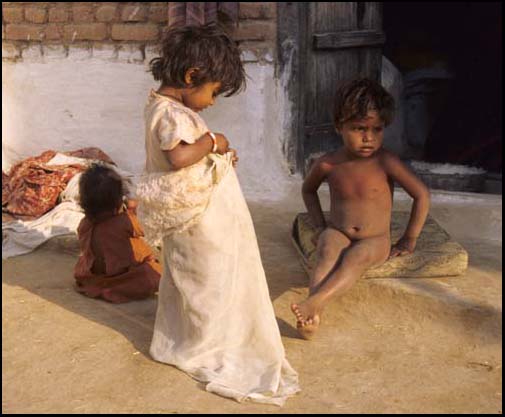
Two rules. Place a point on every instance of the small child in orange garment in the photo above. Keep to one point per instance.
(115, 263)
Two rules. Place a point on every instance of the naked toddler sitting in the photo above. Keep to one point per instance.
(360, 176)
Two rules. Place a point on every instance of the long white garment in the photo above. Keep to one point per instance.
(215, 319)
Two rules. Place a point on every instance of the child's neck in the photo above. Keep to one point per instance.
(104, 215)
(175, 93)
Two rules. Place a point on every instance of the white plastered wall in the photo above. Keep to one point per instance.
(79, 100)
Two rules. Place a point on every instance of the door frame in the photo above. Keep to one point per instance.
(291, 49)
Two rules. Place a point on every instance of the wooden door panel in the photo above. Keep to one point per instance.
(325, 43)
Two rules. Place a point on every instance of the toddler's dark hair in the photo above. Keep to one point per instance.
(101, 189)
(207, 48)
(355, 98)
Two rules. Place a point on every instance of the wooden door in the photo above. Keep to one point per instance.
(324, 44)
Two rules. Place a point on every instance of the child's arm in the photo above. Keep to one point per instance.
(185, 154)
(311, 184)
(131, 205)
(414, 187)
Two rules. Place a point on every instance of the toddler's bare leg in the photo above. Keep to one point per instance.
(329, 247)
(355, 261)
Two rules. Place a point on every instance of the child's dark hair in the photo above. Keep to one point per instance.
(101, 190)
(207, 48)
(355, 98)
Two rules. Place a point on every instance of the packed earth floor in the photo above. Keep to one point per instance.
(392, 345)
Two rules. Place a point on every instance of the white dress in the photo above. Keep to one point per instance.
(214, 319)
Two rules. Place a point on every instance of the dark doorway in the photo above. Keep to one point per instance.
(465, 107)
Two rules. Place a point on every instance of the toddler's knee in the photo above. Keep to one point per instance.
(326, 249)
(359, 260)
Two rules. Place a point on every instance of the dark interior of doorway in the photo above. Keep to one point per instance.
(466, 38)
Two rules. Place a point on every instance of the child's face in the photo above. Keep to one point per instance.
(363, 137)
(199, 98)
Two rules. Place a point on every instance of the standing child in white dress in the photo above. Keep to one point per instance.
(214, 319)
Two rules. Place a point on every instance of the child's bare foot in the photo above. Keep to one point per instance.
(308, 328)
(307, 320)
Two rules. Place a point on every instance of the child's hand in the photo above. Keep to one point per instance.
(315, 236)
(131, 205)
(234, 158)
(404, 246)
(222, 143)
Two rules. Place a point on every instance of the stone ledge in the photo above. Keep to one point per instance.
(436, 255)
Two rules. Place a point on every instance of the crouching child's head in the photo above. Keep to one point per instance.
(101, 191)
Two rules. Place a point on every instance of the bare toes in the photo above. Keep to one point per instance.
(295, 309)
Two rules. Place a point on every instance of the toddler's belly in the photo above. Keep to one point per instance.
(361, 219)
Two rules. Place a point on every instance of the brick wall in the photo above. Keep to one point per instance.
(125, 31)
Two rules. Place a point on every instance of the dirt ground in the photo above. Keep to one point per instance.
(387, 346)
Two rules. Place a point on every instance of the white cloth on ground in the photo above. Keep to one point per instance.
(20, 237)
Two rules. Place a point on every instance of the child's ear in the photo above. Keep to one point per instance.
(188, 77)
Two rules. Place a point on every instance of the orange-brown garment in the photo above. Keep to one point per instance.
(116, 263)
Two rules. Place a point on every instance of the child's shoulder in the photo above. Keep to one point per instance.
(324, 164)
(329, 159)
(160, 104)
(162, 107)
(386, 156)
(159, 101)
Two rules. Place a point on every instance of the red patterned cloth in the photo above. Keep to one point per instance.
(31, 188)
(200, 13)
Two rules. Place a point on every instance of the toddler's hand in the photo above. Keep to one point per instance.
(317, 233)
(131, 205)
(404, 246)
(222, 143)
(234, 158)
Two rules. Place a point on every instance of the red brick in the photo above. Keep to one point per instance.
(134, 13)
(58, 15)
(106, 13)
(158, 13)
(24, 32)
(53, 32)
(35, 15)
(12, 14)
(135, 32)
(85, 31)
(83, 13)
